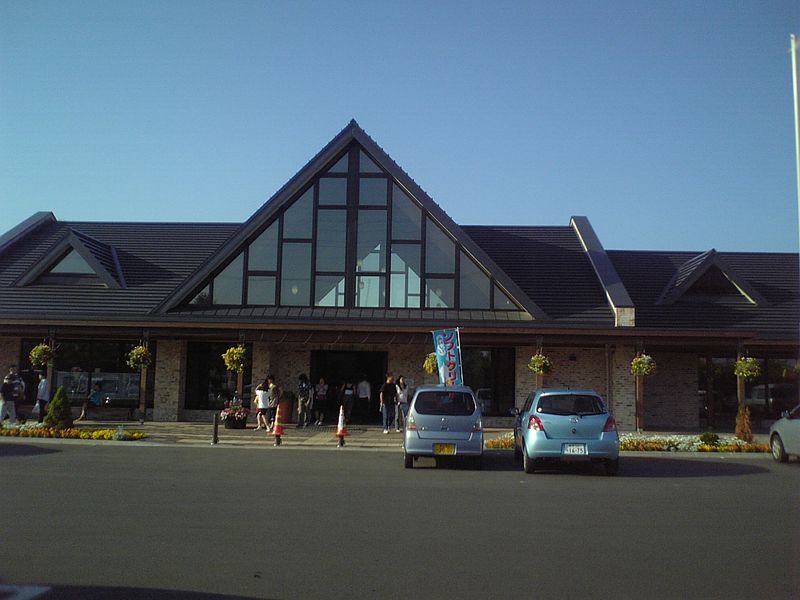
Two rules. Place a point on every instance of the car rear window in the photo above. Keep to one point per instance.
(444, 403)
(570, 404)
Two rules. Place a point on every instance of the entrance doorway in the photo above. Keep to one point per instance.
(340, 367)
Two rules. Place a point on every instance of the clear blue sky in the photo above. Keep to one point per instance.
(669, 124)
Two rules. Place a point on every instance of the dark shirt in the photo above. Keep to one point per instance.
(389, 393)
(12, 388)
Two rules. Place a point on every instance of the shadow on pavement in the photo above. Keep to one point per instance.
(7, 450)
(61, 592)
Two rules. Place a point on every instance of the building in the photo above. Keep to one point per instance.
(347, 269)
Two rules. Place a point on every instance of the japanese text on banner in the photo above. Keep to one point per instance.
(448, 356)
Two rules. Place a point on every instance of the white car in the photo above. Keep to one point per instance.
(784, 435)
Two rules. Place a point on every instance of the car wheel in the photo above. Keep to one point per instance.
(778, 451)
(528, 464)
(612, 467)
(409, 461)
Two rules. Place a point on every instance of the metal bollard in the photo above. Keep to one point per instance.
(215, 435)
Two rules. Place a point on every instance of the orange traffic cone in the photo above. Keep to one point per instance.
(341, 428)
(277, 428)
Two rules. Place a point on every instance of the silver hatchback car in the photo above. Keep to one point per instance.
(565, 425)
(443, 421)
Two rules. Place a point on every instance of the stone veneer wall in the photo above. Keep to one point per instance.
(170, 380)
(623, 388)
(10, 347)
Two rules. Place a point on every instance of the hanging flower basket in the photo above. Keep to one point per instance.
(139, 357)
(430, 365)
(234, 358)
(540, 364)
(747, 367)
(643, 365)
(41, 355)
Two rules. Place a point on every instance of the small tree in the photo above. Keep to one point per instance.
(744, 430)
(59, 411)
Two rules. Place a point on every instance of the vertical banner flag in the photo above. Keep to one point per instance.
(448, 356)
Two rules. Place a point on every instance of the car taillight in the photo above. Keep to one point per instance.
(535, 423)
(412, 424)
(478, 426)
(611, 425)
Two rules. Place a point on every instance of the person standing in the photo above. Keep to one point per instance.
(364, 397)
(348, 398)
(303, 399)
(262, 409)
(388, 400)
(11, 392)
(402, 403)
(274, 397)
(42, 395)
(320, 400)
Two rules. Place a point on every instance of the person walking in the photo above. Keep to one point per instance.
(11, 392)
(348, 398)
(320, 400)
(388, 400)
(364, 397)
(303, 399)
(401, 410)
(274, 397)
(42, 396)
(262, 408)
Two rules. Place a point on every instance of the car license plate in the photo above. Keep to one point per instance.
(575, 449)
(444, 448)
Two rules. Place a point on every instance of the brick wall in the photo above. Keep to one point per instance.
(10, 347)
(623, 392)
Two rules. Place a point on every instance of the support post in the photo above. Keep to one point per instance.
(215, 430)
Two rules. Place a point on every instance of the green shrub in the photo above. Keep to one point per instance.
(59, 412)
(709, 438)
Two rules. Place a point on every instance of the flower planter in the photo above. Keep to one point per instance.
(235, 423)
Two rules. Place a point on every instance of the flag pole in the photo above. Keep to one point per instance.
(793, 50)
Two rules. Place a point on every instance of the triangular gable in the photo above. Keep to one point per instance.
(88, 255)
(706, 268)
(327, 161)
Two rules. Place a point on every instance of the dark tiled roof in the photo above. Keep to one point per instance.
(774, 276)
(154, 257)
(551, 267)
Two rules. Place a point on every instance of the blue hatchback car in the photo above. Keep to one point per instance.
(558, 425)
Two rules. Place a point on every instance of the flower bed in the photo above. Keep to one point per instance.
(72, 433)
(642, 442)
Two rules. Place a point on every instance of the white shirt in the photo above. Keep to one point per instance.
(402, 394)
(364, 389)
(261, 398)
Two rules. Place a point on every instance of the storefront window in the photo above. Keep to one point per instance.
(490, 373)
(208, 383)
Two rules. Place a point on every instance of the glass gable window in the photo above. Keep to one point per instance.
(332, 191)
(73, 264)
(297, 218)
(263, 254)
(405, 276)
(261, 290)
(228, 284)
(440, 250)
(296, 274)
(439, 293)
(406, 216)
(331, 240)
(354, 238)
(371, 250)
(370, 291)
(372, 192)
(329, 291)
(475, 287)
